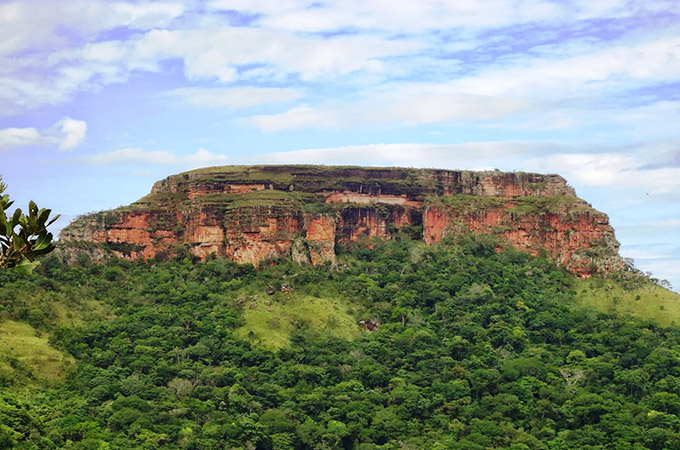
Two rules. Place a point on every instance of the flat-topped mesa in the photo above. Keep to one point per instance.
(412, 184)
(255, 213)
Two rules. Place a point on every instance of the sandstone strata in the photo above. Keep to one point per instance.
(253, 214)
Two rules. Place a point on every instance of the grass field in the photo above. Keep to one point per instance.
(272, 326)
(25, 355)
(649, 302)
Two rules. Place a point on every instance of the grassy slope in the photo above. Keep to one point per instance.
(24, 353)
(272, 326)
(650, 302)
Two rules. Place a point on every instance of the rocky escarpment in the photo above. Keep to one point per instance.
(251, 214)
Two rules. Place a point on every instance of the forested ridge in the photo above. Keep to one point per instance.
(475, 349)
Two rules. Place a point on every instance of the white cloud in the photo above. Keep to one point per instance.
(55, 65)
(202, 157)
(234, 97)
(594, 69)
(586, 9)
(393, 15)
(145, 16)
(400, 15)
(39, 25)
(643, 254)
(402, 105)
(215, 53)
(72, 133)
(473, 155)
(587, 168)
(21, 137)
(668, 269)
(36, 35)
(611, 170)
(669, 223)
(556, 93)
(443, 108)
(67, 134)
(303, 117)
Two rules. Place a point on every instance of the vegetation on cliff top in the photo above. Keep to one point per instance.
(310, 178)
(517, 205)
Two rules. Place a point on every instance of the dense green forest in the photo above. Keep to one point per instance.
(474, 349)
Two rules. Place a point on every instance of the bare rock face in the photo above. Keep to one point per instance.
(570, 231)
(320, 232)
(253, 214)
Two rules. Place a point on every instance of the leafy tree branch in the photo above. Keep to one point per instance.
(23, 237)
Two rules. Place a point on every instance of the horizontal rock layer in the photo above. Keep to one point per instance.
(252, 214)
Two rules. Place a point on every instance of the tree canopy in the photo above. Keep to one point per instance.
(475, 350)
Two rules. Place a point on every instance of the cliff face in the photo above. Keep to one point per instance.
(253, 214)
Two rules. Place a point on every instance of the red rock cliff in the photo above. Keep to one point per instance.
(252, 214)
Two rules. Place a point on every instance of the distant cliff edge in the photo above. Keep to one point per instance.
(251, 214)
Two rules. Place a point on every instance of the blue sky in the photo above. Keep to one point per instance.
(100, 98)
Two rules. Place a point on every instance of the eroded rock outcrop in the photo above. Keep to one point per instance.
(252, 214)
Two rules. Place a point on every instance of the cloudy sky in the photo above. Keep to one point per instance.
(100, 98)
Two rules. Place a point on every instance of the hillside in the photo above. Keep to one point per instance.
(472, 348)
(251, 214)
